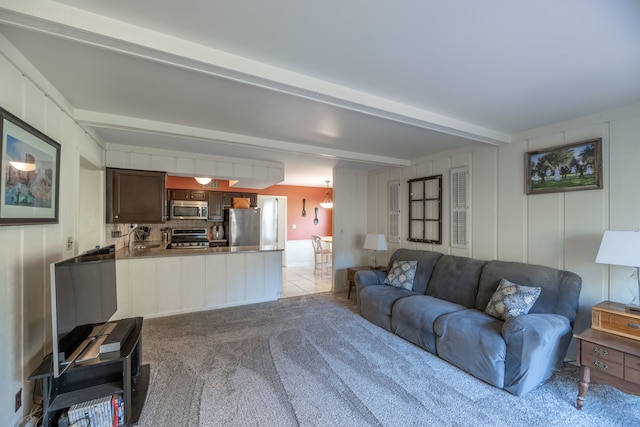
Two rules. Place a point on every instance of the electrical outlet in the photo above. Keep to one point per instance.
(18, 400)
(69, 243)
(116, 233)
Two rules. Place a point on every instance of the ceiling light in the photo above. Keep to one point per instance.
(203, 181)
(327, 203)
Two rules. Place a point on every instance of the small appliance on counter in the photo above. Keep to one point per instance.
(217, 232)
(189, 238)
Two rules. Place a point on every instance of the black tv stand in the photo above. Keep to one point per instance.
(115, 372)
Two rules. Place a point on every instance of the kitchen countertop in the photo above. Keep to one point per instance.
(157, 249)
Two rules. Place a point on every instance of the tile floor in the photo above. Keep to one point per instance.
(300, 280)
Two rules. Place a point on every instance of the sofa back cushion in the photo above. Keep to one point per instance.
(560, 290)
(426, 261)
(455, 279)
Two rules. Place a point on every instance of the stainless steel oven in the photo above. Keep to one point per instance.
(187, 209)
(189, 238)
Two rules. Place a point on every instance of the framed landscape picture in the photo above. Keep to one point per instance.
(30, 167)
(571, 167)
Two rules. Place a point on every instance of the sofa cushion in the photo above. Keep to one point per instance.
(401, 274)
(511, 299)
(376, 301)
(412, 318)
(426, 261)
(472, 341)
(455, 279)
(560, 290)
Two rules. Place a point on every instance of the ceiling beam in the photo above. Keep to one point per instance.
(75, 24)
(133, 124)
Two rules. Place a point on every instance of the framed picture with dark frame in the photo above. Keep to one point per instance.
(570, 167)
(30, 167)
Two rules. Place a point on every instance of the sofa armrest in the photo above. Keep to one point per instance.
(364, 278)
(536, 346)
(369, 277)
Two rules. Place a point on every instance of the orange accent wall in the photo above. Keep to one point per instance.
(304, 224)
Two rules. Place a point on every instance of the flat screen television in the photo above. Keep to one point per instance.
(83, 299)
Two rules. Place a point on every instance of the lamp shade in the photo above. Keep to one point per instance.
(620, 248)
(327, 203)
(375, 242)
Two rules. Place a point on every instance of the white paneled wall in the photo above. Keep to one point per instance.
(26, 251)
(161, 286)
(561, 230)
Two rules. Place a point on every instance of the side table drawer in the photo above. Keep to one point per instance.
(616, 323)
(624, 324)
(602, 358)
(632, 368)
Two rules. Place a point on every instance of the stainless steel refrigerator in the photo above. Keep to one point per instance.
(243, 227)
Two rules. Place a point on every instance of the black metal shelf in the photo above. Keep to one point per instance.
(64, 400)
(119, 372)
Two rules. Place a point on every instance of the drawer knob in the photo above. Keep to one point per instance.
(634, 326)
(600, 351)
(600, 365)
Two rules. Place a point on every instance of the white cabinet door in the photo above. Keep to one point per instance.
(169, 284)
(142, 284)
(193, 283)
(215, 277)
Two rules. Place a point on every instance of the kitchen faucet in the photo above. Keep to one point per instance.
(132, 228)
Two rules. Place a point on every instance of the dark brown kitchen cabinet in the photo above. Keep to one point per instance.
(229, 196)
(135, 196)
(253, 199)
(188, 195)
(216, 206)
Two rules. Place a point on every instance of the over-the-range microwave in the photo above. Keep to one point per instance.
(187, 209)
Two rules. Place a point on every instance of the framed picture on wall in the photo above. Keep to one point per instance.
(571, 167)
(30, 167)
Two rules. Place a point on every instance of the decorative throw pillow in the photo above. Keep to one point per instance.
(511, 300)
(402, 274)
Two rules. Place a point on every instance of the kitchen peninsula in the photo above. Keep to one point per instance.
(154, 281)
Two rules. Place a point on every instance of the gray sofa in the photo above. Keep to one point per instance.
(444, 314)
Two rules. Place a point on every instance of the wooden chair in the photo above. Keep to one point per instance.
(322, 256)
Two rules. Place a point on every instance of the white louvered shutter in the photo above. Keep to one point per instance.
(459, 207)
(394, 212)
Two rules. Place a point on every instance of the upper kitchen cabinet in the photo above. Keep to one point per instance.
(216, 206)
(135, 196)
(188, 195)
(229, 196)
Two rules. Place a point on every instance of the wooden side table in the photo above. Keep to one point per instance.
(608, 359)
(351, 272)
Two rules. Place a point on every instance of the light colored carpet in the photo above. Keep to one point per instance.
(313, 361)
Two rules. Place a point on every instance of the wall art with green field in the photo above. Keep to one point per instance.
(570, 167)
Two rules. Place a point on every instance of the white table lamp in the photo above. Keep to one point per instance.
(622, 248)
(375, 242)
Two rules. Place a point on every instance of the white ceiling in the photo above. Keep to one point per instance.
(315, 85)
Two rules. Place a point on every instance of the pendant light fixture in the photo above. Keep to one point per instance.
(327, 203)
(203, 181)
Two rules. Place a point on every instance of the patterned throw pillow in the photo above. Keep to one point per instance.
(402, 274)
(511, 300)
